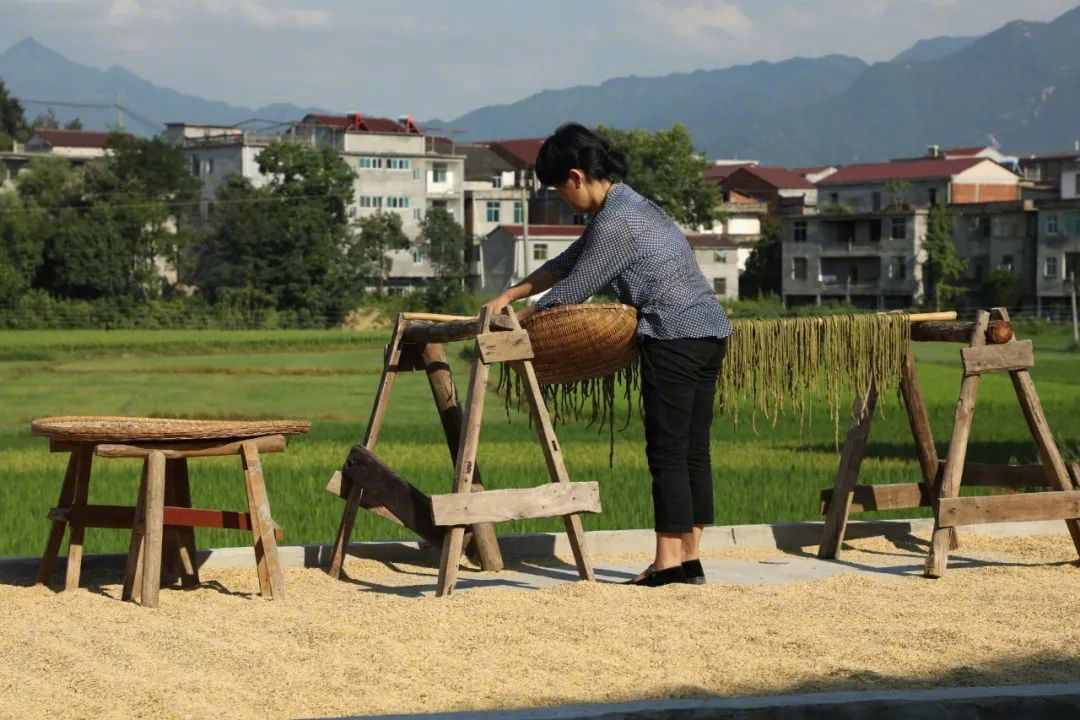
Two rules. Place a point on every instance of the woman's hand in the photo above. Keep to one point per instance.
(495, 306)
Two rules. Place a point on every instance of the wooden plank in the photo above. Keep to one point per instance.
(553, 457)
(444, 332)
(56, 532)
(132, 588)
(504, 347)
(122, 517)
(1019, 507)
(998, 358)
(155, 510)
(919, 422)
(938, 558)
(189, 449)
(483, 542)
(893, 496)
(1057, 475)
(76, 532)
(259, 505)
(493, 506)
(176, 474)
(847, 473)
(997, 332)
(465, 465)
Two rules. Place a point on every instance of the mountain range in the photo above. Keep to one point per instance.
(1018, 86)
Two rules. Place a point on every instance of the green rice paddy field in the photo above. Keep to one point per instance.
(763, 474)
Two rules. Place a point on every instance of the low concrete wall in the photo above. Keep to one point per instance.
(791, 536)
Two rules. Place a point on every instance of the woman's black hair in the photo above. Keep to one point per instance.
(576, 146)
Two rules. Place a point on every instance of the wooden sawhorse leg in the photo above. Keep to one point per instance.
(180, 549)
(832, 535)
(271, 579)
(56, 532)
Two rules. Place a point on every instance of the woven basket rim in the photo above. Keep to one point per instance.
(560, 309)
(119, 428)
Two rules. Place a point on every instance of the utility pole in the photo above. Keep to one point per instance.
(525, 222)
(1076, 325)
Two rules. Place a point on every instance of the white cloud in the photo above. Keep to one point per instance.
(697, 22)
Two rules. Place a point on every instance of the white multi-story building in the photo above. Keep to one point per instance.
(397, 168)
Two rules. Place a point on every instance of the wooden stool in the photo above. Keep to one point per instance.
(163, 521)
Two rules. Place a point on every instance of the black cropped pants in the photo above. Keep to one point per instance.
(678, 385)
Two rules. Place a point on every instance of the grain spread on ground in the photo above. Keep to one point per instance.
(369, 646)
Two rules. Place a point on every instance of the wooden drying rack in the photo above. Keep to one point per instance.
(991, 348)
(418, 343)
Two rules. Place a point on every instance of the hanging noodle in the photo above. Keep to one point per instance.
(772, 368)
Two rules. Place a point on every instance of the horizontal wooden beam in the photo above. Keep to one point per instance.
(1000, 475)
(443, 332)
(1021, 507)
(122, 517)
(997, 333)
(176, 449)
(551, 500)
(385, 493)
(998, 358)
(504, 346)
(892, 496)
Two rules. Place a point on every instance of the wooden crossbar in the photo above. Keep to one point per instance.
(1021, 507)
(521, 504)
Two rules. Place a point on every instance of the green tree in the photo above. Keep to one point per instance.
(286, 245)
(369, 248)
(944, 266)
(664, 167)
(21, 246)
(75, 124)
(1001, 288)
(46, 120)
(898, 191)
(764, 266)
(443, 241)
(12, 119)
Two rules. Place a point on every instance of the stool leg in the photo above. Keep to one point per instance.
(262, 524)
(133, 572)
(78, 531)
(155, 515)
(185, 535)
(56, 533)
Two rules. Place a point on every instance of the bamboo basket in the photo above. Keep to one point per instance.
(574, 343)
(128, 429)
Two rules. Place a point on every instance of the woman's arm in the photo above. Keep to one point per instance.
(539, 281)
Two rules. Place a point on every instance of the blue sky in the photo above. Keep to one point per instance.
(440, 58)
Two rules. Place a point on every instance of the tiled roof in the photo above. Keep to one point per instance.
(778, 177)
(965, 151)
(522, 152)
(73, 138)
(355, 122)
(483, 163)
(717, 173)
(928, 169)
(812, 170)
(570, 231)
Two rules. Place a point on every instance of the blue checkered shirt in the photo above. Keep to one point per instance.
(634, 248)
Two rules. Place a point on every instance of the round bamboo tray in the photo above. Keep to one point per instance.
(572, 343)
(127, 429)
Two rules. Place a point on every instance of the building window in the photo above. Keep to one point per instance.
(898, 268)
(1052, 224)
(932, 196)
(1050, 268)
(1072, 223)
(416, 214)
(371, 201)
(986, 226)
(398, 163)
(370, 163)
(1007, 262)
(493, 207)
(540, 251)
(799, 232)
(798, 268)
(719, 256)
(1072, 266)
(418, 256)
(719, 286)
(195, 166)
(834, 198)
(899, 229)
(398, 202)
(496, 181)
(519, 212)
(875, 231)
(876, 201)
(439, 173)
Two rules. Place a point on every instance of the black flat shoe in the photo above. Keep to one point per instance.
(695, 574)
(658, 578)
